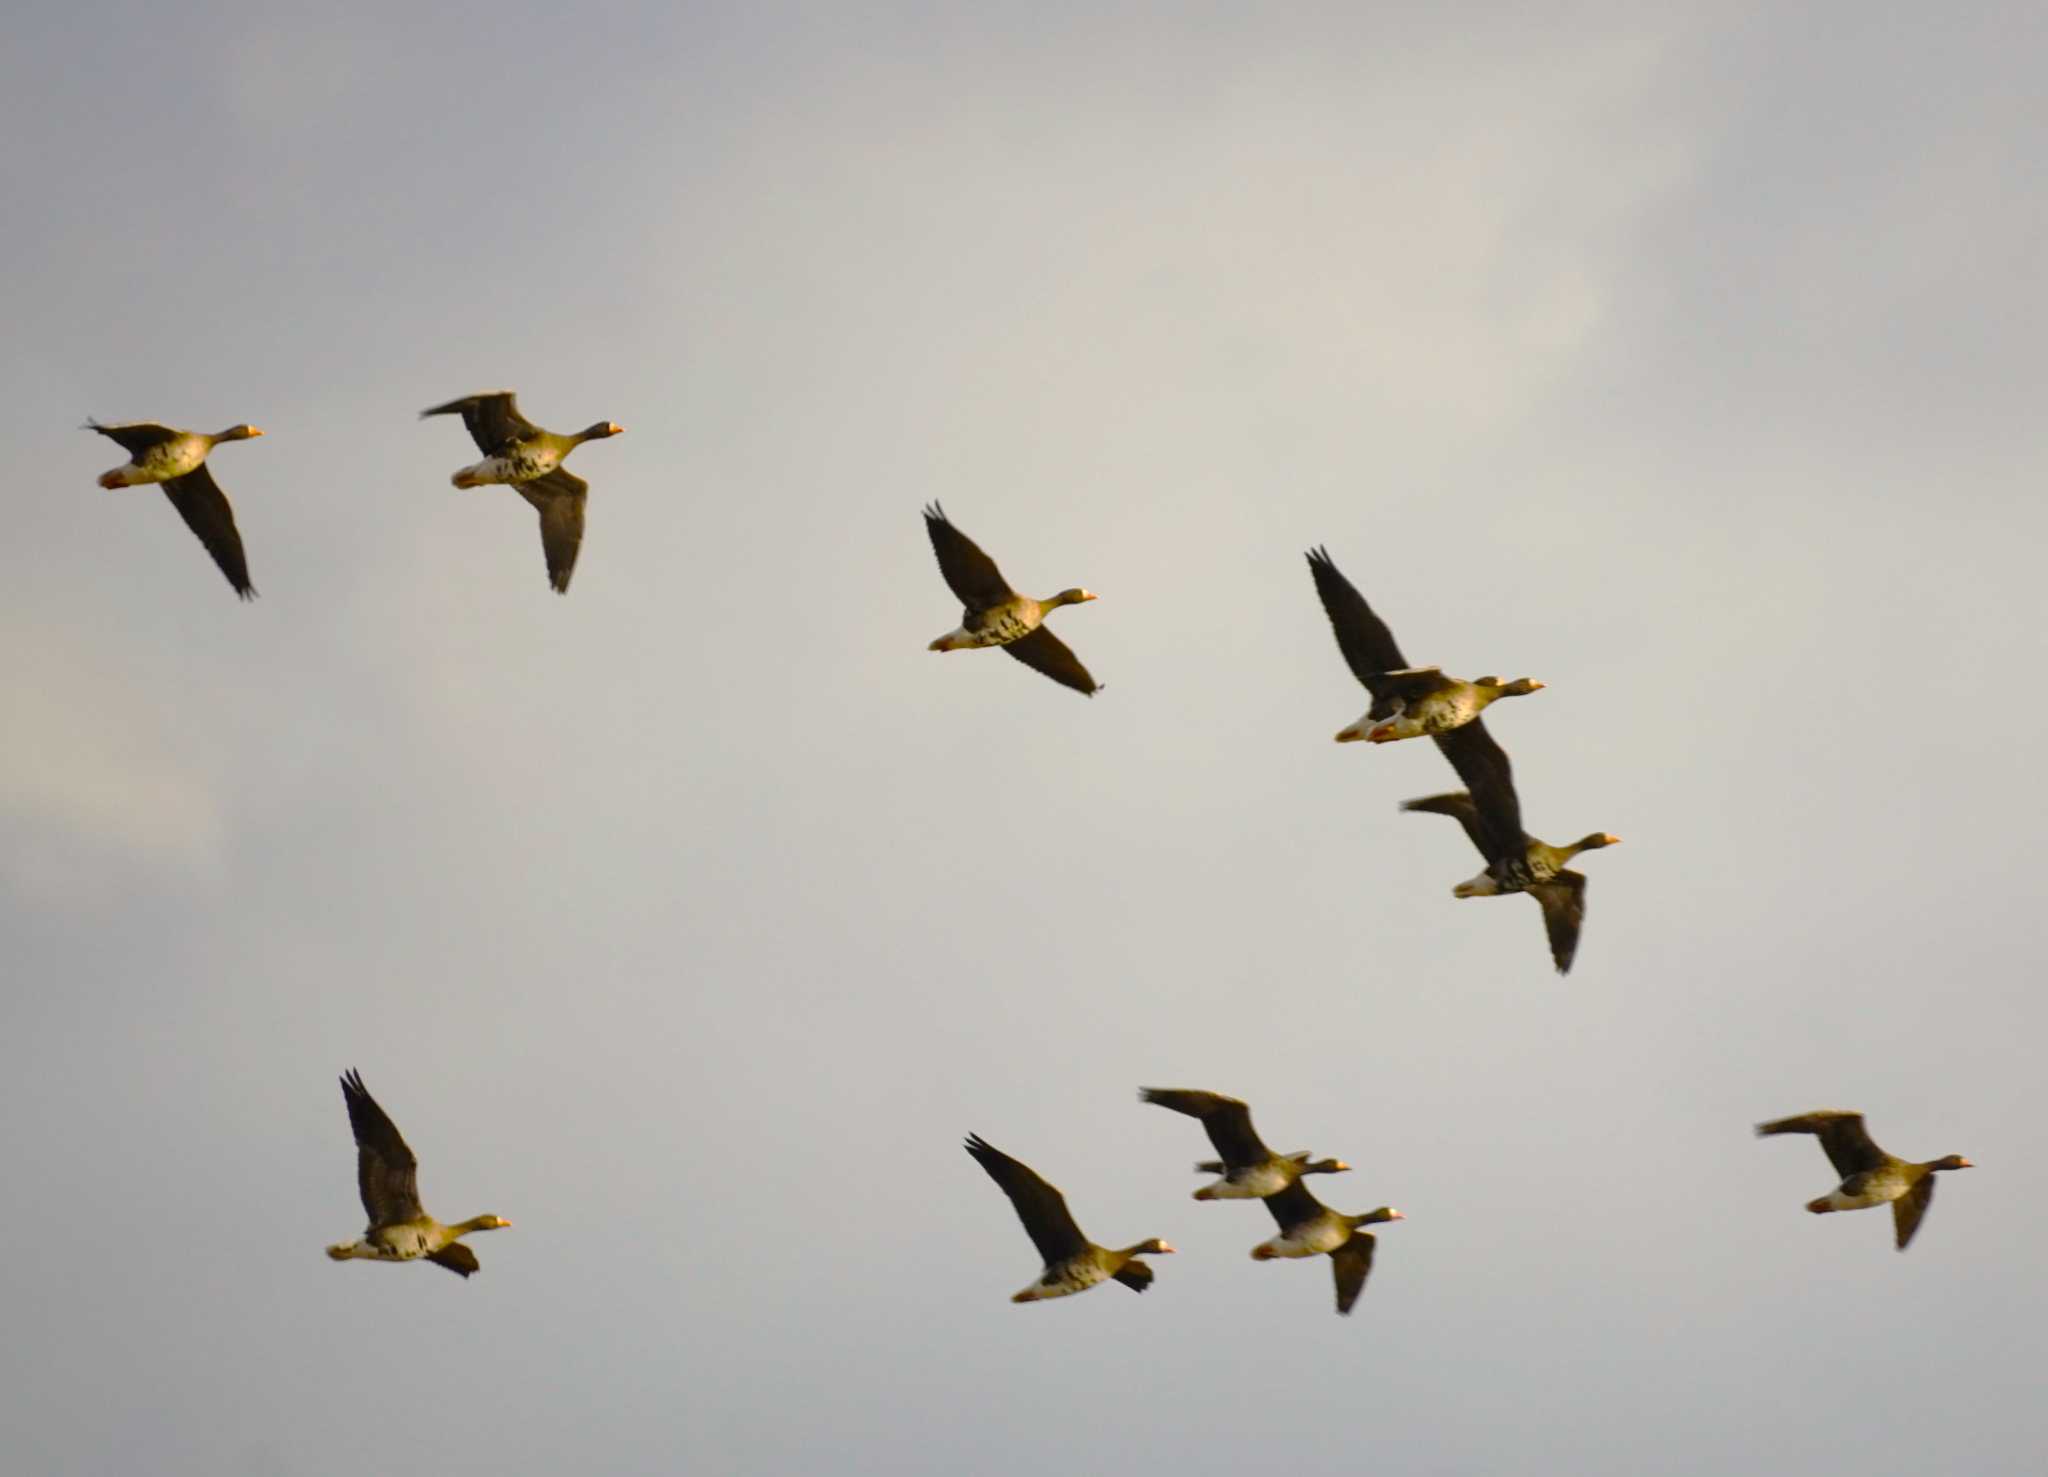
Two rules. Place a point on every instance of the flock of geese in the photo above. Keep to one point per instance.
(1407, 702)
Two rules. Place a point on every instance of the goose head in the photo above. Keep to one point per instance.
(243, 432)
(1952, 1161)
(1154, 1247)
(1074, 596)
(1374, 1217)
(602, 430)
(1326, 1166)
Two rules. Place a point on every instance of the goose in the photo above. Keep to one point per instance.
(996, 615)
(1535, 867)
(1310, 1228)
(519, 453)
(1249, 1170)
(1870, 1177)
(386, 1175)
(177, 460)
(1407, 702)
(1073, 1263)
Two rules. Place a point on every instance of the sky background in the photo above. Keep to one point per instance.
(1688, 362)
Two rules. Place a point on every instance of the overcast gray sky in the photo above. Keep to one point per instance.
(1690, 363)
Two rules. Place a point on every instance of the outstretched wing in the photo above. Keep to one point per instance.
(970, 574)
(559, 498)
(1227, 1120)
(1563, 899)
(1351, 1264)
(386, 1172)
(1842, 1136)
(1367, 644)
(1044, 652)
(1457, 805)
(493, 419)
(134, 437)
(1293, 1205)
(1490, 781)
(457, 1258)
(1041, 1208)
(204, 507)
(1909, 1207)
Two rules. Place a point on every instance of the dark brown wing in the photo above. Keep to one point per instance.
(1909, 1207)
(1134, 1274)
(135, 437)
(1041, 1208)
(386, 1172)
(1292, 1206)
(1044, 652)
(493, 419)
(1227, 1120)
(558, 497)
(1563, 899)
(970, 574)
(1367, 644)
(1457, 805)
(1351, 1263)
(204, 507)
(1842, 1136)
(1490, 780)
(457, 1258)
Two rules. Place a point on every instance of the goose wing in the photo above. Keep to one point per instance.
(1227, 1121)
(1842, 1137)
(1046, 653)
(1367, 644)
(1563, 899)
(1041, 1208)
(1351, 1264)
(205, 509)
(493, 419)
(134, 437)
(1458, 805)
(457, 1258)
(1293, 1206)
(386, 1172)
(1909, 1207)
(970, 574)
(559, 498)
(1490, 782)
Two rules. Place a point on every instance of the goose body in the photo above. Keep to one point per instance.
(1248, 1169)
(1073, 1263)
(176, 461)
(994, 614)
(521, 455)
(1310, 1228)
(1533, 867)
(400, 1230)
(1407, 702)
(1870, 1176)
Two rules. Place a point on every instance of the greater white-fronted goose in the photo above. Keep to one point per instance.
(387, 1176)
(996, 615)
(176, 460)
(1310, 1228)
(522, 455)
(1407, 702)
(1249, 1170)
(1534, 867)
(1073, 1263)
(1870, 1177)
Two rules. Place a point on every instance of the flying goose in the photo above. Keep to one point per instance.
(1870, 1177)
(1407, 702)
(1310, 1228)
(1534, 867)
(996, 615)
(1250, 1170)
(518, 452)
(177, 460)
(386, 1174)
(1073, 1263)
